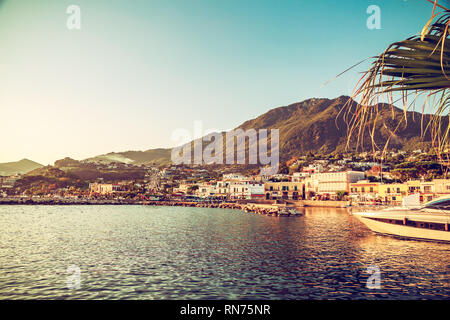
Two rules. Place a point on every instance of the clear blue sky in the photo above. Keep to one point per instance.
(138, 70)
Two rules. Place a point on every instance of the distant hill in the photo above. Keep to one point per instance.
(47, 171)
(156, 156)
(19, 167)
(76, 171)
(313, 125)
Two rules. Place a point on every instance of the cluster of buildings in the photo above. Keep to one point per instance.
(232, 186)
(366, 191)
(349, 185)
(311, 183)
(287, 187)
(105, 188)
(334, 178)
(8, 182)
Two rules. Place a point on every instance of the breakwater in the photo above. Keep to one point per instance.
(64, 201)
(322, 203)
(266, 209)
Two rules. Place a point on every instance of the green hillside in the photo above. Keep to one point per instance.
(23, 166)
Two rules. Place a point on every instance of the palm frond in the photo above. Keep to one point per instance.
(418, 65)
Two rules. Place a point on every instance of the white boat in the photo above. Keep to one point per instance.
(295, 212)
(428, 222)
(283, 212)
(286, 212)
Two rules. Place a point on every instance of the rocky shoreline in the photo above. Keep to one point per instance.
(60, 201)
(266, 209)
(271, 210)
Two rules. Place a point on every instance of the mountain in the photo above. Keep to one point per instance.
(313, 125)
(23, 166)
(319, 126)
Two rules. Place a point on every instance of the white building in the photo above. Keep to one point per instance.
(281, 176)
(300, 176)
(234, 189)
(238, 190)
(183, 188)
(255, 190)
(104, 188)
(234, 176)
(221, 189)
(331, 182)
(246, 190)
(205, 190)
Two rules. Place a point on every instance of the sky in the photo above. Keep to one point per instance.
(136, 71)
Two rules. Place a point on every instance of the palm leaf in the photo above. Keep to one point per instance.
(419, 65)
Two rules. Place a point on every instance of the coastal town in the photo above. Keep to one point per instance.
(225, 159)
(352, 179)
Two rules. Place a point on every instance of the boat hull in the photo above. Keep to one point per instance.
(404, 231)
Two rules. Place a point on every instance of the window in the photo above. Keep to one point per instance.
(427, 188)
(363, 189)
(371, 189)
(388, 190)
(398, 190)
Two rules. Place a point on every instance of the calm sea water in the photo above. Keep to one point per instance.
(141, 252)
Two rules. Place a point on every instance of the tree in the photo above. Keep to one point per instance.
(191, 189)
(341, 194)
(416, 66)
(283, 169)
(293, 168)
(310, 156)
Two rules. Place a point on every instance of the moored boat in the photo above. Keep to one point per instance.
(429, 222)
(284, 212)
(295, 212)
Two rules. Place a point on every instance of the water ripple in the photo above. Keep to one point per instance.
(140, 252)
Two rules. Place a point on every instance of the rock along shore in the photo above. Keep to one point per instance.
(266, 209)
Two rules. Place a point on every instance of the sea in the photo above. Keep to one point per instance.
(174, 253)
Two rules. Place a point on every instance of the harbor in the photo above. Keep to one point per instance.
(428, 222)
(155, 252)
